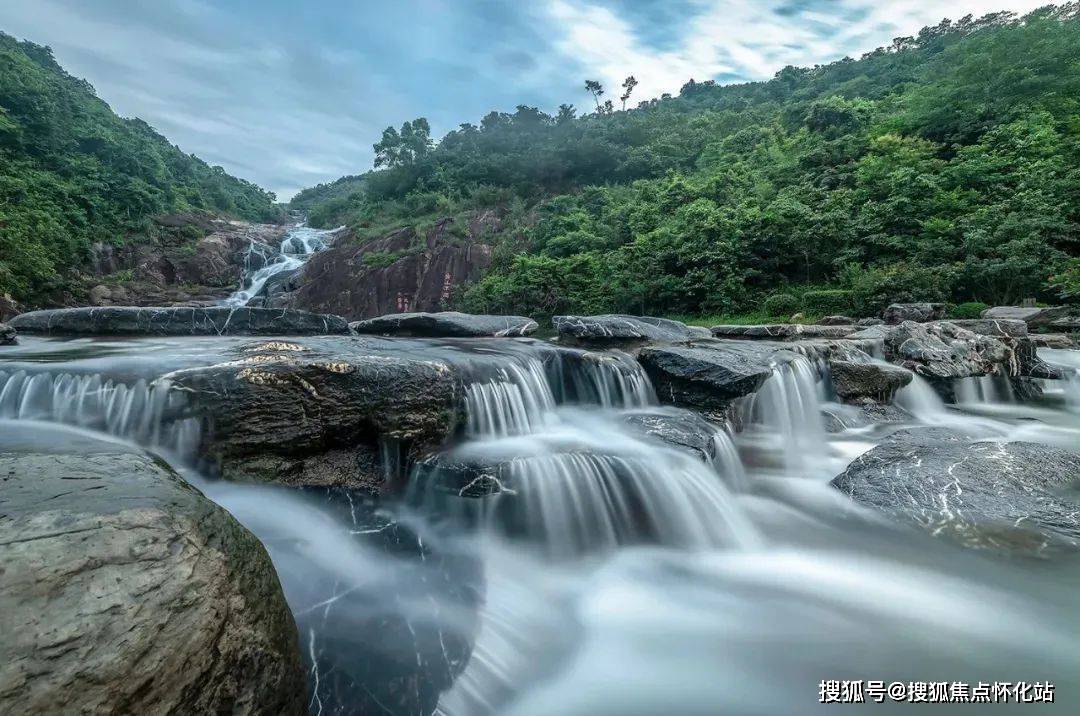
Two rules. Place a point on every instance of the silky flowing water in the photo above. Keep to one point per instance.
(262, 262)
(614, 573)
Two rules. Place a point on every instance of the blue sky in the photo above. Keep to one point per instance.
(289, 94)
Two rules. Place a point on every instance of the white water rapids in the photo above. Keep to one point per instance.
(263, 262)
(616, 573)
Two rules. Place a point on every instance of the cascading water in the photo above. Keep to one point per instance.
(298, 245)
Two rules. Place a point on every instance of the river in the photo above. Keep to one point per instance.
(615, 574)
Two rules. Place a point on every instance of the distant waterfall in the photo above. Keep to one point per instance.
(298, 245)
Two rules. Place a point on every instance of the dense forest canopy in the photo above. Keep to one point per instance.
(945, 166)
(73, 173)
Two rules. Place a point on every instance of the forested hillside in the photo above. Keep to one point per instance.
(73, 173)
(945, 166)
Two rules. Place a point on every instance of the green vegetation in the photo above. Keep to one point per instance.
(73, 173)
(944, 167)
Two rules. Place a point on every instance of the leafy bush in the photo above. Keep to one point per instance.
(874, 289)
(828, 302)
(780, 304)
(972, 309)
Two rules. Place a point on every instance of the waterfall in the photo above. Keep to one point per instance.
(149, 414)
(295, 249)
(986, 389)
(1068, 361)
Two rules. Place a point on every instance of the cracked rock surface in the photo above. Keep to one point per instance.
(1013, 496)
(623, 331)
(446, 324)
(125, 590)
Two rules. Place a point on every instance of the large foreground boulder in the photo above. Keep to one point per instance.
(623, 331)
(323, 412)
(7, 335)
(125, 590)
(919, 312)
(178, 321)
(783, 331)
(867, 382)
(709, 375)
(985, 494)
(446, 324)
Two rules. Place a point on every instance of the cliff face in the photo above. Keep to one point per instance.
(403, 271)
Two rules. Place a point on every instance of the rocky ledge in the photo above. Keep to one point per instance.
(8, 336)
(178, 321)
(867, 382)
(612, 330)
(783, 331)
(125, 590)
(446, 324)
(1000, 495)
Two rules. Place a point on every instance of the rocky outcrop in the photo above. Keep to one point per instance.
(919, 312)
(709, 375)
(837, 321)
(941, 350)
(683, 429)
(1024, 360)
(984, 494)
(865, 322)
(1052, 340)
(125, 590)
(783, 331)
(997, 327)
(613, 330)
(1034, 317)
(446, 324)
(404, 271)
(8, 335)
(867, 382)
(178, 321)
(321, 412)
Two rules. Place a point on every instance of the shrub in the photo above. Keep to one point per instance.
(828, 302)
(972, 309)
(875, 288)
(780, 304)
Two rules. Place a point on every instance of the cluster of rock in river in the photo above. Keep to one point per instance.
(336, 404)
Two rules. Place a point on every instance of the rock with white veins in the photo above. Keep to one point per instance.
(999, 495)
(178, 321)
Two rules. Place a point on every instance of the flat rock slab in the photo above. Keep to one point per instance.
(178, 321)
(867, 382)
(782, 331)
(125, 590)
(710, 374)
(998, 327)
(1034, 317)
(985, 494)
(1052, 340)
(619, 330)
(446, 324)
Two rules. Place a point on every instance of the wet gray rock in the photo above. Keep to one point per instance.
(125, 590)
(320, 411)
(710, 374)
(1070, 324)
(997, 327)
(1034, 317)
(683, 429)
(867, 382)
(941, 350)
(842, 417)
(1052, 340)
(782, 331)
(623, 331)
(983, 494)
(446, 324)
(8, 336)
(865, 322)
(281, 282)
(837, 321)
(178, 321)
(918, 312)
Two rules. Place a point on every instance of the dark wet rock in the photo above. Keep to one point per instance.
(125, 590)
(837, 321)
(1069, 324)
(865, 322)
(402, 271)
(320, 411)
(281, 282)
(178, 321)
(1026, 361)
(842, 417)
(918, 312)
(623, 331)
(683, 429)
(997, 327)
(710, 374)
(984, 494)
(941, 350)
(867, 382)
(8, 335)
(782, 331)
(446, 324)
(1053, 340)
(1034, 317)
